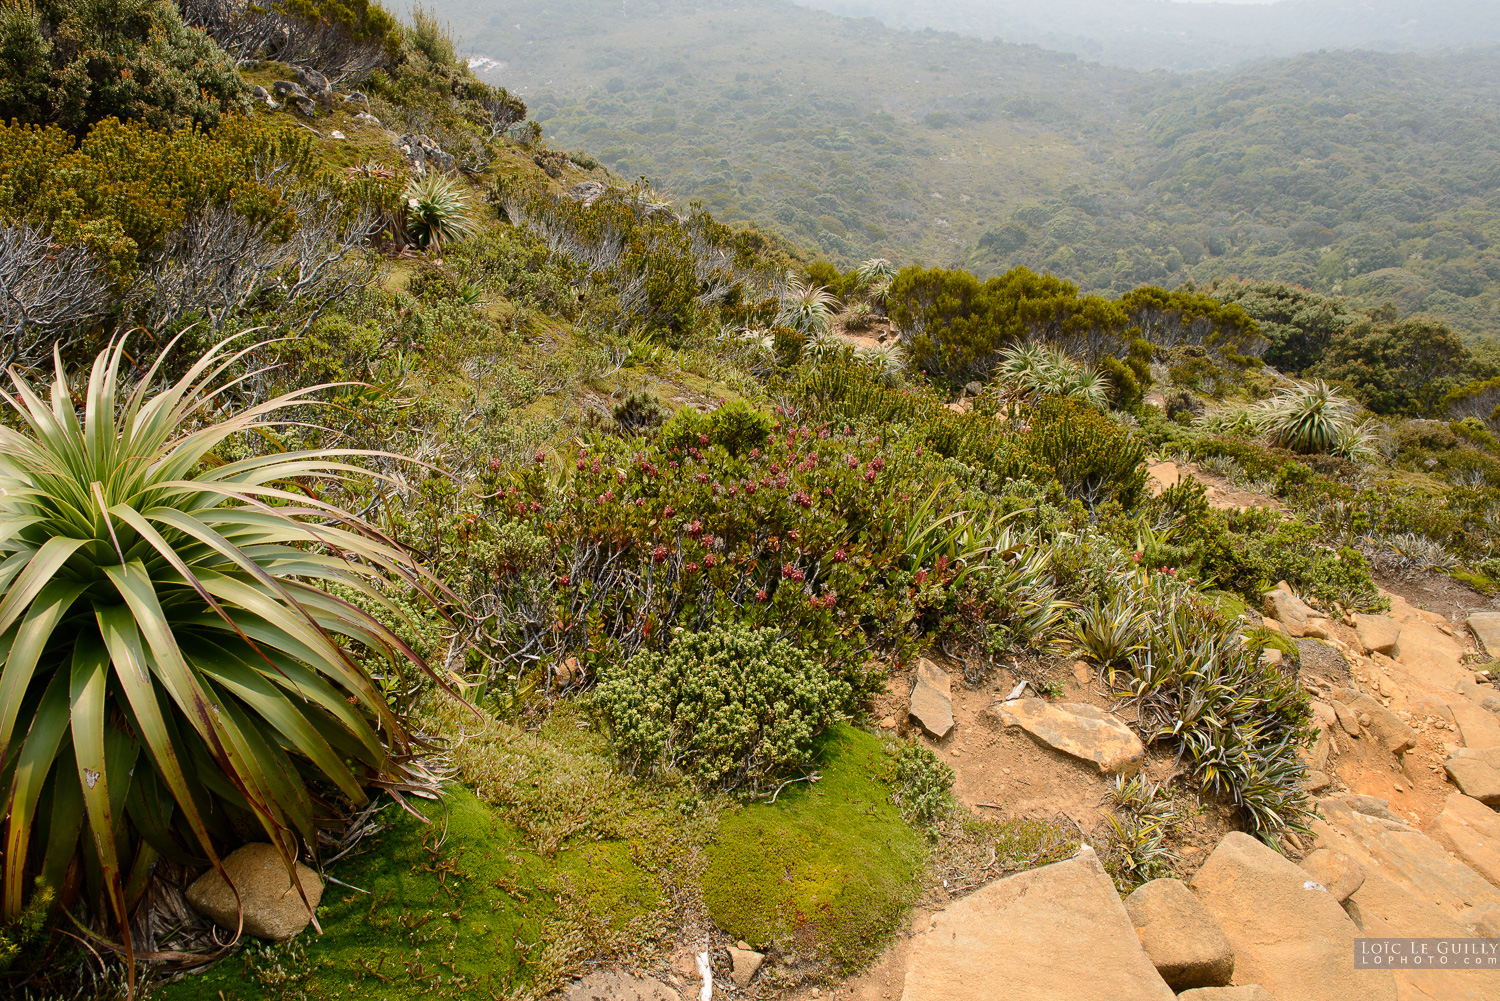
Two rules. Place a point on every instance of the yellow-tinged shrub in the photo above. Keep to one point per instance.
(125, 187)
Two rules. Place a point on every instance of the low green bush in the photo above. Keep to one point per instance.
(733, 707)
(1092, 456)
(76, 64)
(736, 427)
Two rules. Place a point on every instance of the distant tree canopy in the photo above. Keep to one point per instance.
(74, 64)
(956, 325)
(1407, 368)
(1298, 325)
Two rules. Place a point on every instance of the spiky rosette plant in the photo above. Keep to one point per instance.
(437, 211)
(1309, 417)
(805, 307)
(174, 663)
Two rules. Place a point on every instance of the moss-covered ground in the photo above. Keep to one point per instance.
(825, 871)
(460, 907)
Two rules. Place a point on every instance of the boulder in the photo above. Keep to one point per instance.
(366, 118)
(1348, 722)
(1289, 934)
(1476, 772)
(1377, 633)
(1288, 609)
(1079, 731)
(1059, 931)
(1384, 909)
(1335, 871)
(1491, 702)
(1181, 939)
(1486, 629)
(1388, 729)
(586, 193)
(1470, 830)
(285, 89)
(1316, 781)
(1246, 992)
(932, 699)
(312, 81)
(744, 964)
(271, 905)
(303, 106)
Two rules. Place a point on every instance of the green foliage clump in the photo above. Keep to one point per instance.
(1312, 417)
(1299, 325)
(923, 784)
(133, 546)
(828, 870)
(73, 65)
(125, 187)
(733, 707)
(1406, 368)
(1200, 686)
(456, 904)
(1094, 458)
(736, 427)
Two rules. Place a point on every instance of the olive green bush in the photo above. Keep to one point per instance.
(733, 707)
(75, 64)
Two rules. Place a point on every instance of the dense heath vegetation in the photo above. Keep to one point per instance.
(527, 552)
(1362, 174)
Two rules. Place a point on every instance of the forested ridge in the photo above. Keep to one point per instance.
(1367, 174)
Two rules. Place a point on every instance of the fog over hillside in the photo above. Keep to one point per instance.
(1165, 34)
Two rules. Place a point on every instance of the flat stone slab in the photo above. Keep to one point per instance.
(1476, 724)
(1289, 934)
(1476, 772)
(1470, 830)
(1397, 853)
(1058, 932)
(1079, 731)
(932, 699)
(1247, 992)
(1486, 629)
(1182, 940)
(1377, 633)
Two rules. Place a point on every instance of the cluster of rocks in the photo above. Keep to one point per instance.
(1250, 926)
(307, 93)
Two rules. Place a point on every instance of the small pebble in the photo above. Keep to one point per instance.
(1399, 788)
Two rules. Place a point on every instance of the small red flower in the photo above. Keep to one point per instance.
(565, 579)
(540, 457)
(760, 595)
(921, 577)
(668, 511)
(659, 554)
(494, 465)
(710, 560)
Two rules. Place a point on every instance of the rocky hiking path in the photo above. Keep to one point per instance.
(1404, 771)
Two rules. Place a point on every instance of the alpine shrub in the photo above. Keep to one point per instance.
(1093, 458)
(733, 707)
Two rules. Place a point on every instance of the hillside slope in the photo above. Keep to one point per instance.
(858, 140)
